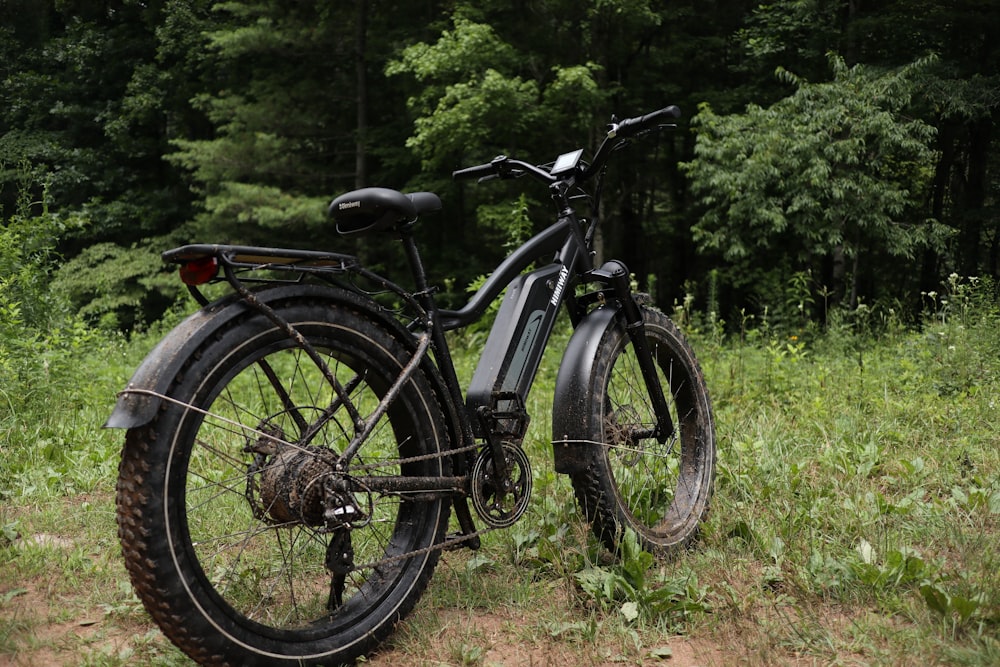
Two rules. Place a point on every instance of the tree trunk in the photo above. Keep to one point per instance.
(974, 196)
(361, 70)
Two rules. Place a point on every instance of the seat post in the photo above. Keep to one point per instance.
(416, 265)
(446, 365)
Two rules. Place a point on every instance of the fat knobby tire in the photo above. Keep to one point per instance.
(184, 475)
(659, 491)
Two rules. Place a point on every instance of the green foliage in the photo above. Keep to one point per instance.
(856, 507)
(475, 101)
(470, 114)
(27, 243)
(859, 466)
(36, 329)
(41, 345)
(637, 588)
(477, 96)
(285, 118)
(85, 103)
(956, 611)
(244, 117)
(803, 32)
(831, 179)
(833, 165)
(957, 351)
(117, 287)
(460, 54)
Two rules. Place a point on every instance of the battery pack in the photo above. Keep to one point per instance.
(517, 340)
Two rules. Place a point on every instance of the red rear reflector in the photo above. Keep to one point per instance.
(199, 271)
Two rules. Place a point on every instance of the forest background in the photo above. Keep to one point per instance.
(823, 224)
(848, 145)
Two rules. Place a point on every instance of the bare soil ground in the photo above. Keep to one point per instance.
(508, 638)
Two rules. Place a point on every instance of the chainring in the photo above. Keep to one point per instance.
(500, 503)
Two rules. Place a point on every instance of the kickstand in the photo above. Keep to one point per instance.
(339, 562)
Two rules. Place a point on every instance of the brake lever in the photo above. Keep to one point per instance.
(657, 128)
(505, 175)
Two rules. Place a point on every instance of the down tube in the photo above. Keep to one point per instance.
(517, 340)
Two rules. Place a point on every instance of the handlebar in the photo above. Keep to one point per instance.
(633, 126)
(479, 171)
(504, 167)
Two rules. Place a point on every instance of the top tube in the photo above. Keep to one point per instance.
(548, 241)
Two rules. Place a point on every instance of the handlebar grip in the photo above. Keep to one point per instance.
(632, 126)
(479, 171)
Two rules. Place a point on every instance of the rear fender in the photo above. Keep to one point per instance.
(139, 402)
(570, 419)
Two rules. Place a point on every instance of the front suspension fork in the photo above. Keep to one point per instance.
(614, 274)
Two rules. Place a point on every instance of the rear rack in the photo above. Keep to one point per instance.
(242, 265)
(265, 259)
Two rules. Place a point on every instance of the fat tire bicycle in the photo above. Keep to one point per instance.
(295, 449)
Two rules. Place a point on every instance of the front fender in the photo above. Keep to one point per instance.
(138, 403)
(570, 432)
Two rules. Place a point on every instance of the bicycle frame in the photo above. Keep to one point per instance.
(521, 331)
(496, 397)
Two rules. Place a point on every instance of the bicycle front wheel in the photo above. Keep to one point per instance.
(634, 481)
(248, 538)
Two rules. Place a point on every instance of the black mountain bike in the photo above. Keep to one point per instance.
(295, 449)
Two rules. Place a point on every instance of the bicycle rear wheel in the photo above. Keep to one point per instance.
(223, 509)
(659, 490)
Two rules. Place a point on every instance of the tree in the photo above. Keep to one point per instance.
(475, 99)
(961, 96)
(833, 172)
(276, 126)
(301, 115)
(92, 94)
(87, 106)
(155, 122)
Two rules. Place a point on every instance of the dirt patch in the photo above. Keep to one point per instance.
(61, 601)
(47, 638)
(510, 639)
(48, 628)
(44, 629)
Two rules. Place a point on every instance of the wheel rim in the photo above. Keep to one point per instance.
(657, 484)
(268, 575)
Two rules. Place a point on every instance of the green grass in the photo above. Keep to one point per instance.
(856, 518)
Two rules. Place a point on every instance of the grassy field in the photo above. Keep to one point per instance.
(856, 518)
